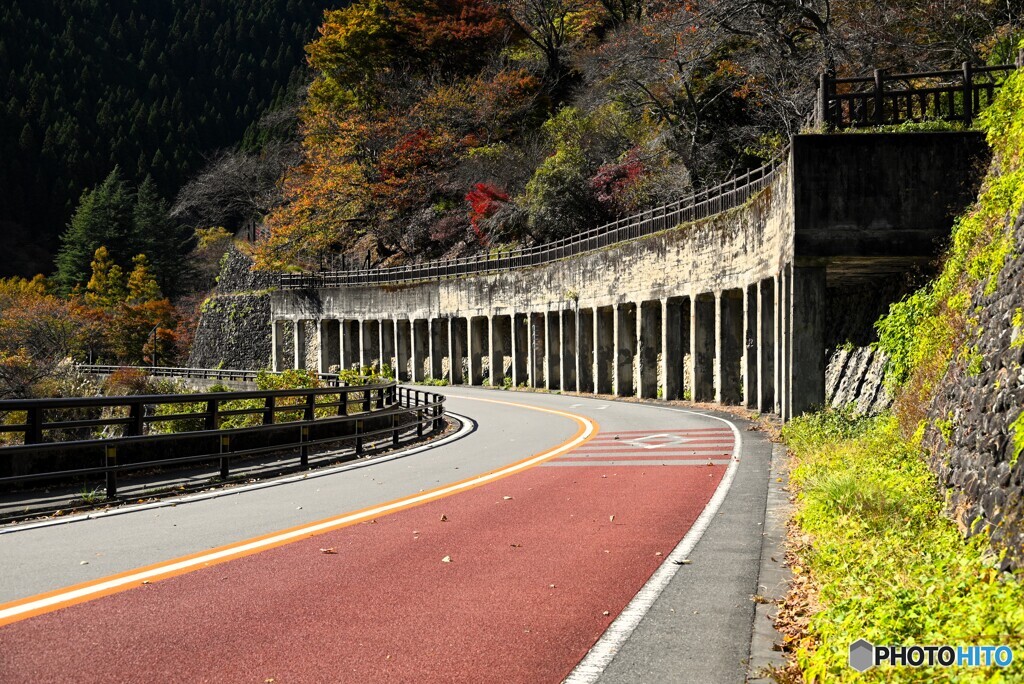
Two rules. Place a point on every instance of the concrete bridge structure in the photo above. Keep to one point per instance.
(725, 298)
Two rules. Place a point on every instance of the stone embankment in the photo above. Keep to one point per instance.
(974, 445)
(233, 329)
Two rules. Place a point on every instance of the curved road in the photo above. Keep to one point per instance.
(500, 556)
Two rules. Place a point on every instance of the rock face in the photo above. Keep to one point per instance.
(855, 376)
(234, 328)
(971, 438)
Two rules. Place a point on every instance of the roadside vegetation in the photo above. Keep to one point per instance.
(873, 553)
(875, 558)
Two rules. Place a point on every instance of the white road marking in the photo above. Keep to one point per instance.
(598, 658)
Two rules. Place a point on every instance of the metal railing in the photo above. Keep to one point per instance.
(58, 437)
(887, 99)
(701, 205)
(196, 373)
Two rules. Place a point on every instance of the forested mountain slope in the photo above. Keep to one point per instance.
(147, 86)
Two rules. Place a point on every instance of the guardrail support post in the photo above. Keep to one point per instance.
(34, 425)
(270, 405)
(135, 414)
(111, 462)
(366, 401)
(225, 448)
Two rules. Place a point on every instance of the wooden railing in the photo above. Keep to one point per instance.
(884, 99)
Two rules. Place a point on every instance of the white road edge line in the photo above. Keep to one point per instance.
(601, 654)
(468, 425)
(305, 530)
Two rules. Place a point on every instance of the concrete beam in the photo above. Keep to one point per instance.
(625, 349)
(420, 349)
(552, 348)
(766, 346)
(520, 345)
(585, 350)
(403, 349)
(807, 328)
(604, 349)
(649, 344)
(750, 350)
(729, 380)
(703, 355)
(568, 355)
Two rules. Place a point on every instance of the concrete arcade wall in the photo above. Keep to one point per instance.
(730, 309)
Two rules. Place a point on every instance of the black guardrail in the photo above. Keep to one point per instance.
(59, 437)
(701, 205)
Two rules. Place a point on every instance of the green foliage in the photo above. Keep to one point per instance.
(1017, 428)
(919, 334)
(889, 567)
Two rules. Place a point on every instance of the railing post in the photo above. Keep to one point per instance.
(212, 414)
(135, 413)
(366, 401)
(968, 95)
(270, 404)
(34, 425)
(111, 463)
(225, 448)
(879, 90)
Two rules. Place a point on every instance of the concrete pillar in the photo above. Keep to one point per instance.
(420, 349)
(537, 355)
(729, 380)
(501, 340)
(766, 346)
(477, 345)
(403, 349)
(330, 344)
(704, 352)
(779, 322)
(807, 343)
(604, 349)
(569, 355)
(552, 348)
(520, 341)
(751, 398)
(585, 350)
(458, 334)
(277, 354)
(438, 348)
(625, 349)
(299, 345)
(387, 345)
(649, 341)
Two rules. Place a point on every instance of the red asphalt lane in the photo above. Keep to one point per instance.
(523, 598)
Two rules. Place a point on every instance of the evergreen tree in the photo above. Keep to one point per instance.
(103, 219)
(163, 241)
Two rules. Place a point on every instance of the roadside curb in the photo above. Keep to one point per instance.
(774, 576)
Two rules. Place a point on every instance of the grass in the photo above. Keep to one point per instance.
(884, 563)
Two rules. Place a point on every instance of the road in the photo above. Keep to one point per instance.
(503, 555)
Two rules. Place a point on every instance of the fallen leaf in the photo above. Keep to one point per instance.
(83, 562)
(444, 518)
(516, 546)
(146, 582)
(328, 550)
(551, 586)
(507, 498)
(682, 562)
(657, 553)
(611, 518)
(446, 559)
(606, 613)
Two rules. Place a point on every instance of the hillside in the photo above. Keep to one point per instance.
(150, 88)
(454, 126)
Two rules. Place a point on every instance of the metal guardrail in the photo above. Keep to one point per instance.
(286, 419)
(198, 373)
(886, 99)
(701, 205)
